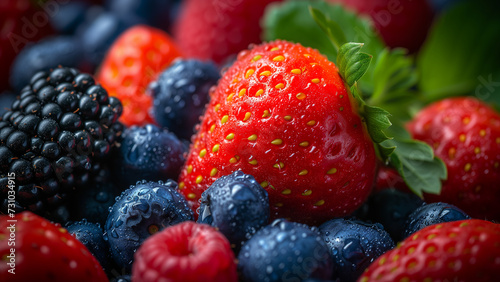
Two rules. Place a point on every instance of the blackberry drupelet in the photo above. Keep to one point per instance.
(61, 126)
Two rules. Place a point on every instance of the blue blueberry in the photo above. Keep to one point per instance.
(237, 205)
(99, 31)
(139, 212)
(43, 56)
(391, 208)
(156, 13)
(93, 202)
(430, 214)
(354, 245)
(285, 251)
(180, 95)
(91, 235)
(69, 16)
(6, 100)
(149, 153)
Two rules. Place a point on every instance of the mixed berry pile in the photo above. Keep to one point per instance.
(270, 140)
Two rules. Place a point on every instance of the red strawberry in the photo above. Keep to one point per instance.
(465, 134)
(402, 23)
(20, 23)
(467, 250)
(216, 29)
(283, 114)
(37, 250)
(185, 252)
(134, 60)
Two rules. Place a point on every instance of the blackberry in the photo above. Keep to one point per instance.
(61, 126)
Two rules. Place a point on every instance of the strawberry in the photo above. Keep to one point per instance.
(283, 114)
(466, 250)
(20, 23)
(33, 249)
(216, 29)
(388, 177)
(402, 23)
(134, 60)
(465, 134)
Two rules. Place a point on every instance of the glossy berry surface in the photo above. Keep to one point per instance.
(282, 113)
(430, 214)
(181, 93)
(43, 56)
(187, 251)
(285, 250)
(38, 241)
(147, 152)
(236, 205)
(354, 245)
(91, 235)
(56, 133)
(141, 211)
(134, 60)
(465, 133)
(466, 250)
(391, 208)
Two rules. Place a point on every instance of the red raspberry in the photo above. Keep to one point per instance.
(187, 251)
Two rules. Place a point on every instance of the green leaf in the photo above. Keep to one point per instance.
(332, 29)
(377, 120)
(417, 165)
(461, 47)
(292, 21)
(352, 63)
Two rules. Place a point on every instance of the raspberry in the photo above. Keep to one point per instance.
(185, 252)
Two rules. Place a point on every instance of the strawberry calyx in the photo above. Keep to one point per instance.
(415, 161)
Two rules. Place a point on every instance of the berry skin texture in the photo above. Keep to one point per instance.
(282, 114)
(38, 241)
(187, 251)
(285, 251)
(430, 214)
(91, 236)
(149, 153)
(236, 205)
(465, 134)
(465, 250)
(216, 29)
(132, 62)
(181, 93)
(354, 245)
(56, 134)
(140, 212)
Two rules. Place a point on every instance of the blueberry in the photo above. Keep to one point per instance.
(354, 245)
(285, 251)
(69, 16)
(122, 278)
(430, 214)
(149, 153)
(180, 95)
(391, 208)
(237, 205)
(155, 13)
(43, 56)
(93, 202)
(139, 212)
(99, 31)
(91, 235)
